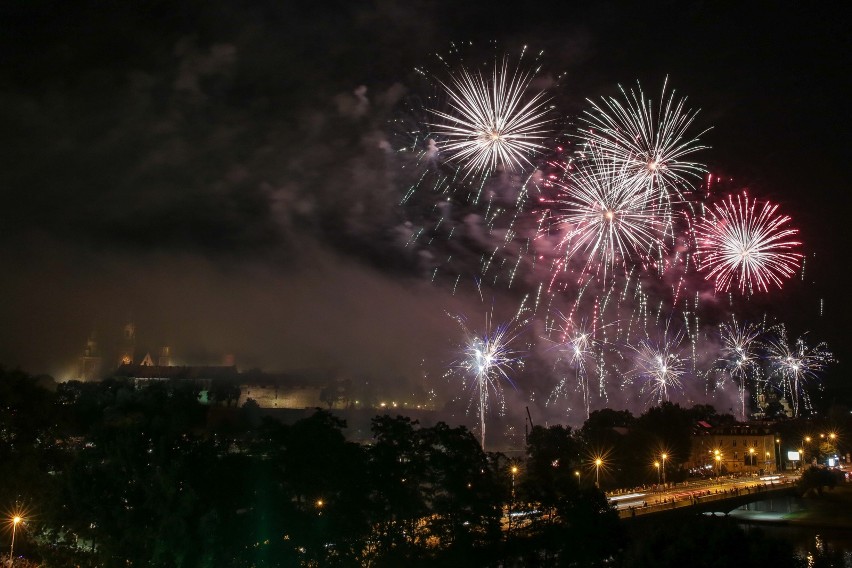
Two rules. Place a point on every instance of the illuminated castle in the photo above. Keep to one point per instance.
(224, 384)
(90, 365)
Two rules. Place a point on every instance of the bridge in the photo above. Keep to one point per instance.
(718, 500)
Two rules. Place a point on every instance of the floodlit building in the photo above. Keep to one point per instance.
(742, 448)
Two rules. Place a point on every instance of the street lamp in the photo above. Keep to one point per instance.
(807, 440)
(598, 463)
(514, 471)
(751, 458)
(657, 465)
(780, 463)
(15, 520)
(577, 473)
(718, 456)
(664, 456)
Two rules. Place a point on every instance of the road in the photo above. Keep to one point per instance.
(625, 500)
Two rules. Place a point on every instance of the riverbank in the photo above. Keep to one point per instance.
(833, 510)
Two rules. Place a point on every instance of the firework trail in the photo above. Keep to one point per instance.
(739, 243)
(650, 143)
(491, 122)
(794, 365)
(488, 359)
(739, 358)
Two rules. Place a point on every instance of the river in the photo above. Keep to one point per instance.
(819, 529)
(818, 547)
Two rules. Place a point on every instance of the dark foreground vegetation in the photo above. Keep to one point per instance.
(112, 474)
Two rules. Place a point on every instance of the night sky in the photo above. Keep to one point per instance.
(216, 172)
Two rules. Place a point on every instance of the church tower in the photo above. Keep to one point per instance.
(127, 348)
(89, 364)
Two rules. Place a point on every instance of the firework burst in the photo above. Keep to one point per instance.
(794, 365)
(608, 217)
(491, 121)
(578, 349)
(660, 366)
(650, 143)
(488, 359)
(738, 359)
(742, 244)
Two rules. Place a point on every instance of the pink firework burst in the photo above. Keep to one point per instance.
(747, 244)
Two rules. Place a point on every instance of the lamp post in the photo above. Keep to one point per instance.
(779, 463)
(664, 456)
(806, 441)
(598, 463)
(514, 471)
(657, 465)
(577, 473)
(718, 456)
(751, 458)
(15, 520)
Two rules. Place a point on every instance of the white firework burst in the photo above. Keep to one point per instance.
(491, 121)
(487, 360)
(651, 143)
(578, 349)
(660, 366)
(739, 359)
(795, 365)
(608, 216)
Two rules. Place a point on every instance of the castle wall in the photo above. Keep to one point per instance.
(271, 396)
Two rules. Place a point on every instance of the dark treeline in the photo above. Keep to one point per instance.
(110, 474)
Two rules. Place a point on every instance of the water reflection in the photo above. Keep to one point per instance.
(815, 548)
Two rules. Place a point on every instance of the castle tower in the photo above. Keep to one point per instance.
(127, 348)
(89, 364)
(165, 357)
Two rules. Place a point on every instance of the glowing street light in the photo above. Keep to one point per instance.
(577, 473)
(805, 442)
(664, 456)
(514, 471)
(751, 457)
(657, 465)
(780, 463)
(15, 521)
(718, 456)
(598, 463)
